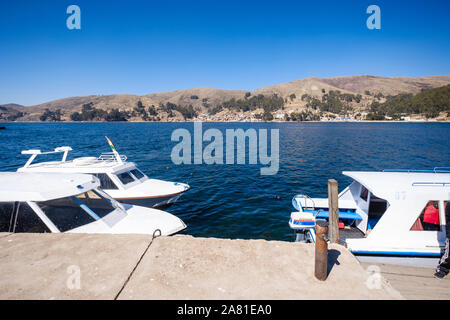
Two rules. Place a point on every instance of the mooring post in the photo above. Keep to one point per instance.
(321, 260)
(333, 232)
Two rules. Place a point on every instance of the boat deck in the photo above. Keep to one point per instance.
(352, 233)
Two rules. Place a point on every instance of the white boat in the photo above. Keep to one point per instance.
(381, 214)
(121, 179)
(73, 203)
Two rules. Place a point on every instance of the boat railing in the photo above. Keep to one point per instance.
(435, 170)
(111, 156)
(436, 184)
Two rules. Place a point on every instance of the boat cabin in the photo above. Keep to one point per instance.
(120, 178)
(388, 213)
(74, 203)
(113, 171)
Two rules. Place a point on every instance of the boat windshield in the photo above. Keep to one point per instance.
(105, 181)
(125, 177)
(138, 173)
(75, 211)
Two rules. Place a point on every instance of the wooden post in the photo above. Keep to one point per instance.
(333, 230)
(321, 259)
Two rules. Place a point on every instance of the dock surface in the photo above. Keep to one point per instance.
(413, 282)
(86, 266)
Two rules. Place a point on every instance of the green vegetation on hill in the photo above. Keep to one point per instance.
(375, 116)
(334, 101)
(51, 115)
(268, 104)
(302, 116)
(187, 112)
(90, 113)
(429, 102)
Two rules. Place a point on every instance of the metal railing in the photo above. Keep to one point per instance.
(111, 156)
(437, 184)
(435, 170)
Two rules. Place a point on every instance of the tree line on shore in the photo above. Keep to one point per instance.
(334, 101)
(91, 113)
(430, 102)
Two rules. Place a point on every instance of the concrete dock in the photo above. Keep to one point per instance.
(81, 266)
(413, 282)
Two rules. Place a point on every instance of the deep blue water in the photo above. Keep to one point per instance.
(235, 201)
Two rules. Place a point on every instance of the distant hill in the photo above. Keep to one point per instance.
(192, 103)
(11, 111)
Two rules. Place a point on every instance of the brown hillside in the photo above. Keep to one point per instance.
(202, 99)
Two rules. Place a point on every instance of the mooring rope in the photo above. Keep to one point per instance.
(154, 236)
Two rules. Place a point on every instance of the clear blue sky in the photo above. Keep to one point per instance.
(140, 47)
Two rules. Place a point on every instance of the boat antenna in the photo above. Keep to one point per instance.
(113, 148)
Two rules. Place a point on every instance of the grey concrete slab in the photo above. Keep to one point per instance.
(183, 267)
(4, 234)
(45, 266)
(414, 282)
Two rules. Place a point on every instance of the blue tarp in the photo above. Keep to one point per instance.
(343, 214)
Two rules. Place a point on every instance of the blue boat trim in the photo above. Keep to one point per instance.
(86, 208)
(430, 184)
(303, 223)
(396, 253)
(343, 214)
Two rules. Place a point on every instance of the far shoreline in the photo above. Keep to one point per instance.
(331, 121)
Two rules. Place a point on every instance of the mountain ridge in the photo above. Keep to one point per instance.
(204, 98)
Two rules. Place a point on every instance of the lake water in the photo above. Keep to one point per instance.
(236, 201)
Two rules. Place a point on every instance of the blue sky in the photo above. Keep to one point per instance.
(141, 47)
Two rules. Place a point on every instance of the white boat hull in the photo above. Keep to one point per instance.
(138, 220)
(161, 202)
(422, 262)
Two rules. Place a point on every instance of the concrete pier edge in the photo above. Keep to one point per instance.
(94, 266)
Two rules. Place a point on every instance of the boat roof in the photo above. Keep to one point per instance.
(30, 186)
(106, 162)
(385, 184)
(90, 163)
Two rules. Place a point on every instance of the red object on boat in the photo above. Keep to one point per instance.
(341, 225)
(431, 215)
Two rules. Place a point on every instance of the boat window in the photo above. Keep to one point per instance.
(429, 219)
(105, 181)
(67, 213)
(19, 217)
(377, 208)
(138, 173)
(364, 193)
(6, 214)
(125, 177)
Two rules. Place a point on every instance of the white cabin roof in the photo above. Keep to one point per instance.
(385, 184)
(27, 186)
(88, 166)
(106, 162)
